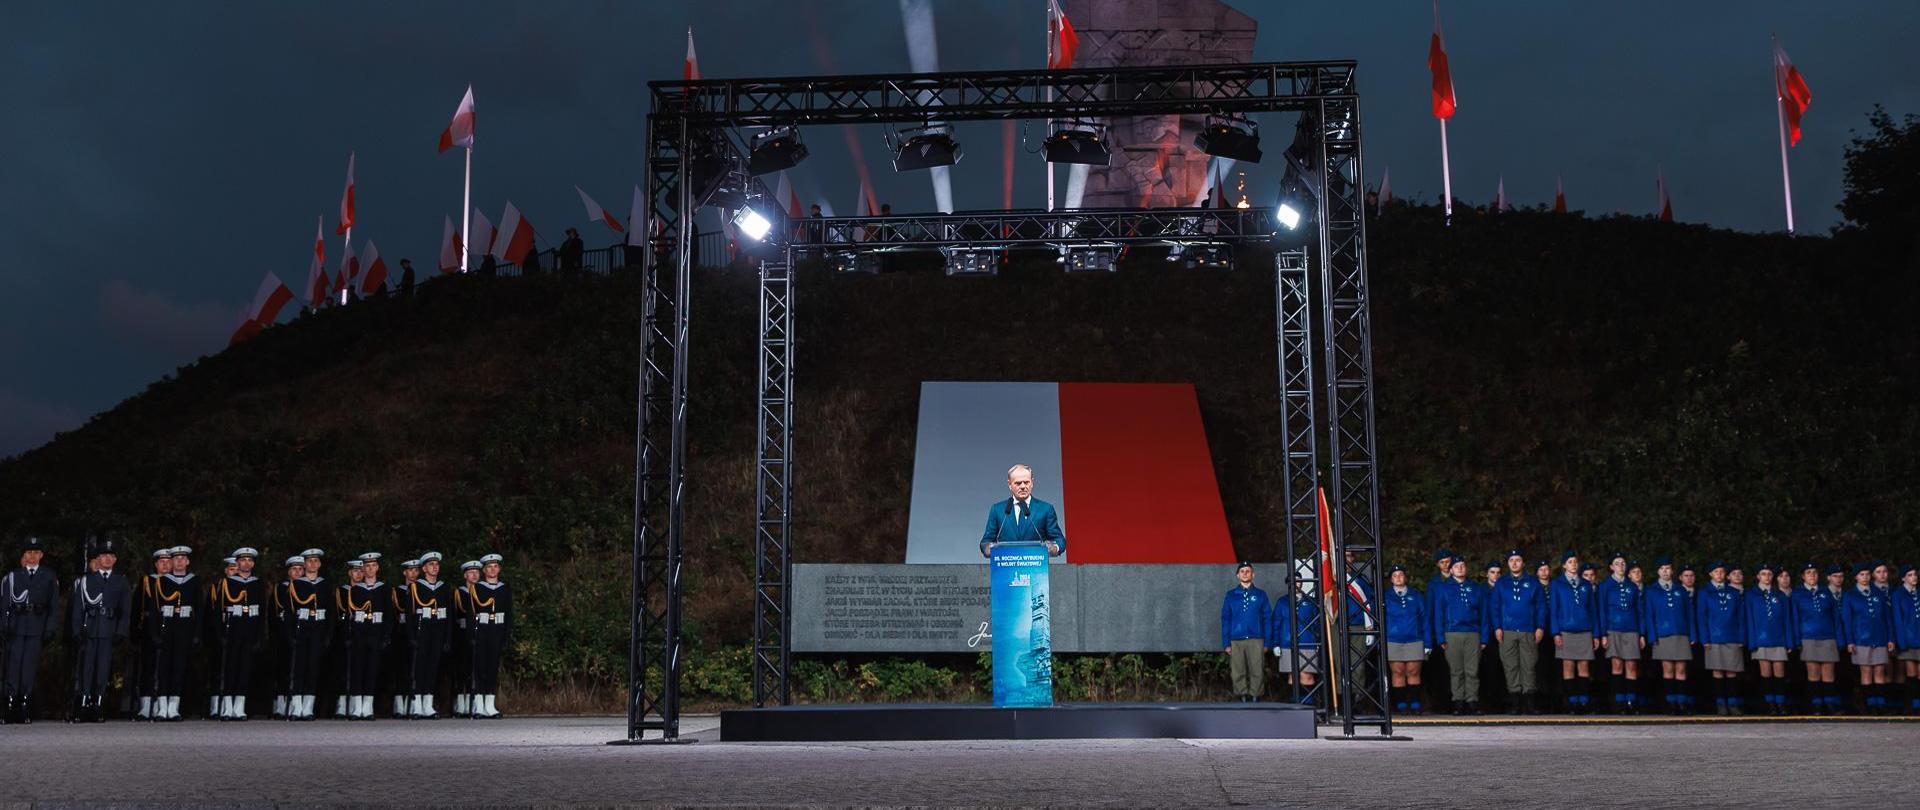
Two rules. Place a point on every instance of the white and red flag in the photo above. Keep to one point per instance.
(375, 278)
(460, 132)
(1443, 100)
(272, 296)
(482, 233)
(637, 219)
(1559, 197)
(783, 191)
(515, 238)
(346, 201)
(1791, 88)
(1063, 42)
(317, 269)
(594, 211)
(248, 327)
(349, 272)
(449, 247)
(691, 70)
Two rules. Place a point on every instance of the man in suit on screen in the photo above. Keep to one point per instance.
(1023, 518)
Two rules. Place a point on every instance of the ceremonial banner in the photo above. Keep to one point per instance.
(1022, 632)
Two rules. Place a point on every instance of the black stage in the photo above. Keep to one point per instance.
(1066, 721)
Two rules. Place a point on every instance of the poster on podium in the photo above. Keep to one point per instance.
(1022, 637)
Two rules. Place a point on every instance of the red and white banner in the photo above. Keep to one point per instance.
(595, 212)
(783, 191)
(460, 132)
(515, 238)
(248, 327)
(317, 269)
(346, 201)
(375, 278)
(636, 215)
(349, 271)
(1559, 197)
(1063, 42)
(449, 247)
(1791, 88)
(691, 70)
(272, 296)
(1443, 100)
(481, 232)
(1127, 467)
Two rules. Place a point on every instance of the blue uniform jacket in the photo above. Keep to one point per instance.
(1463, 609)
(1718, 614)
(1667, 610)
(1407, 617)
(1816, 614)
(1905, 607)
(1769, 620)
(1519, 604)
(1433, 611)
(1244, 613)
(1303, 623)
(1571, 606)
(1865, 619)
(1042, 525)
(1620, 609)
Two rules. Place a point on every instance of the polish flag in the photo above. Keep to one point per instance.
(349, 272)
(247, 328)
(460, 132)
(783, 191)
(1666, 203)
(637, 218)
(449, 247)
(1443, 101)
(691, 70)
(1792, 91)
(375, 279)
(346, 202)
(1061, 36)
(481, 232)
(1125, 465)
(1326, 542)
(272, 296)
(515, 238)
(317, 269)
(1559, 197)
(594, 211)
(1386, 191)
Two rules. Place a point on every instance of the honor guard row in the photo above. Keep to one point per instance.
(296, 639)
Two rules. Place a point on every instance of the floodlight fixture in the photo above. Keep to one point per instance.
(1081, 142)
(924, 148)
(1230, 137)
(775, 150)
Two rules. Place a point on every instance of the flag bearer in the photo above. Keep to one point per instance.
(1669, 624)
(1572, 618)
(1816, 631)
(1244, 623)
(1621, 613)
(492, 600)
(1769, 635)
(1519, 613)
(1719, 616)
(1465, 633)
(1904, 603)
(1409, 638)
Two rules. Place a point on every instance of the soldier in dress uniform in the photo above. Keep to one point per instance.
(98, 617)
(399, 664)
(331, 670)
(147, 645)
(174, 630)
(29, 605)
(429, 622)
(356, 570)
(240, 603)
(307, 623)
(492, 601)
(460, 659)
(280, 644)
(369, 616)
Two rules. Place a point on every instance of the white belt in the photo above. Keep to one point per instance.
(243, 610)
(431, 613)
(490, 618)
(365, 617)
(311, 614)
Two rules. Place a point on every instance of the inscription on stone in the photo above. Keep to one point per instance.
(897, 607)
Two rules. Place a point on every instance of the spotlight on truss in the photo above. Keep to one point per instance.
(1080, 142)
(775, 150)
(751, 223)
(1089, 260)
(924, 148)
(967, 262)
(1230, 137)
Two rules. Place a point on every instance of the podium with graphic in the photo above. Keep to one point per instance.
(1022, 633)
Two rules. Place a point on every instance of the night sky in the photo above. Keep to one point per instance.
(159, 157)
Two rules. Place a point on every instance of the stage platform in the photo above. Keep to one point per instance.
(1065, 721)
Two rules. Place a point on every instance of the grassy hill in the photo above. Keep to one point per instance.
(1543, 381)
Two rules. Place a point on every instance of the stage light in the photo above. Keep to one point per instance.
(1230, 138)
(775, 150)
(1078, 142)
(1288, 215)
(751, 223)
(964, 262)
(1089, 260)
(932, 145)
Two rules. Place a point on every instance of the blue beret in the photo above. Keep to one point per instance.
(1442, 554)
(1398, 569)
(1664, 559)
(1512, 553)
(1836, 568)
(1567, 555)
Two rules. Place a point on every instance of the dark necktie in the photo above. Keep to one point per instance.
(1026, 513)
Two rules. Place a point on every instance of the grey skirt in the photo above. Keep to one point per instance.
(1404, 651)
(1726, 658)
(1307, 657)
(1909, 655)
(1820, 651)
(1575, 647)
(1865, 656)
(1623, 644)
(1769, 653)
(1673, 648)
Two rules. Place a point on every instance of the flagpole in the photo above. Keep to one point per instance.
(1049, 121)
(1780, 112)
(1446, 174)
(466, 203)
(347, 246)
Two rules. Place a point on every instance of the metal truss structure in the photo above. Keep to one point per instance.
(696, 156)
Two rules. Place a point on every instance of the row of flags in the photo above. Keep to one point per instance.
(1791, 94)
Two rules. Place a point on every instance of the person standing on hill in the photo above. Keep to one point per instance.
(572, 252)
(406, 278)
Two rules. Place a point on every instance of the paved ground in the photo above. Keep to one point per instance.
(558, 762)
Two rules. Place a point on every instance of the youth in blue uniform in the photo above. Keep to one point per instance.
(1464, 634)
(1718, 617)
(1816, 633)
(1896, 676)
(1620, 614)
(1668, 623)
(1437, 660)
(1552, 690)
(1409, 639)
(1572, 614)
(1298, 628)
(1866, 623)
(1769, 627)
(1245, 621)
(1519, 614)
(1904, 603)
